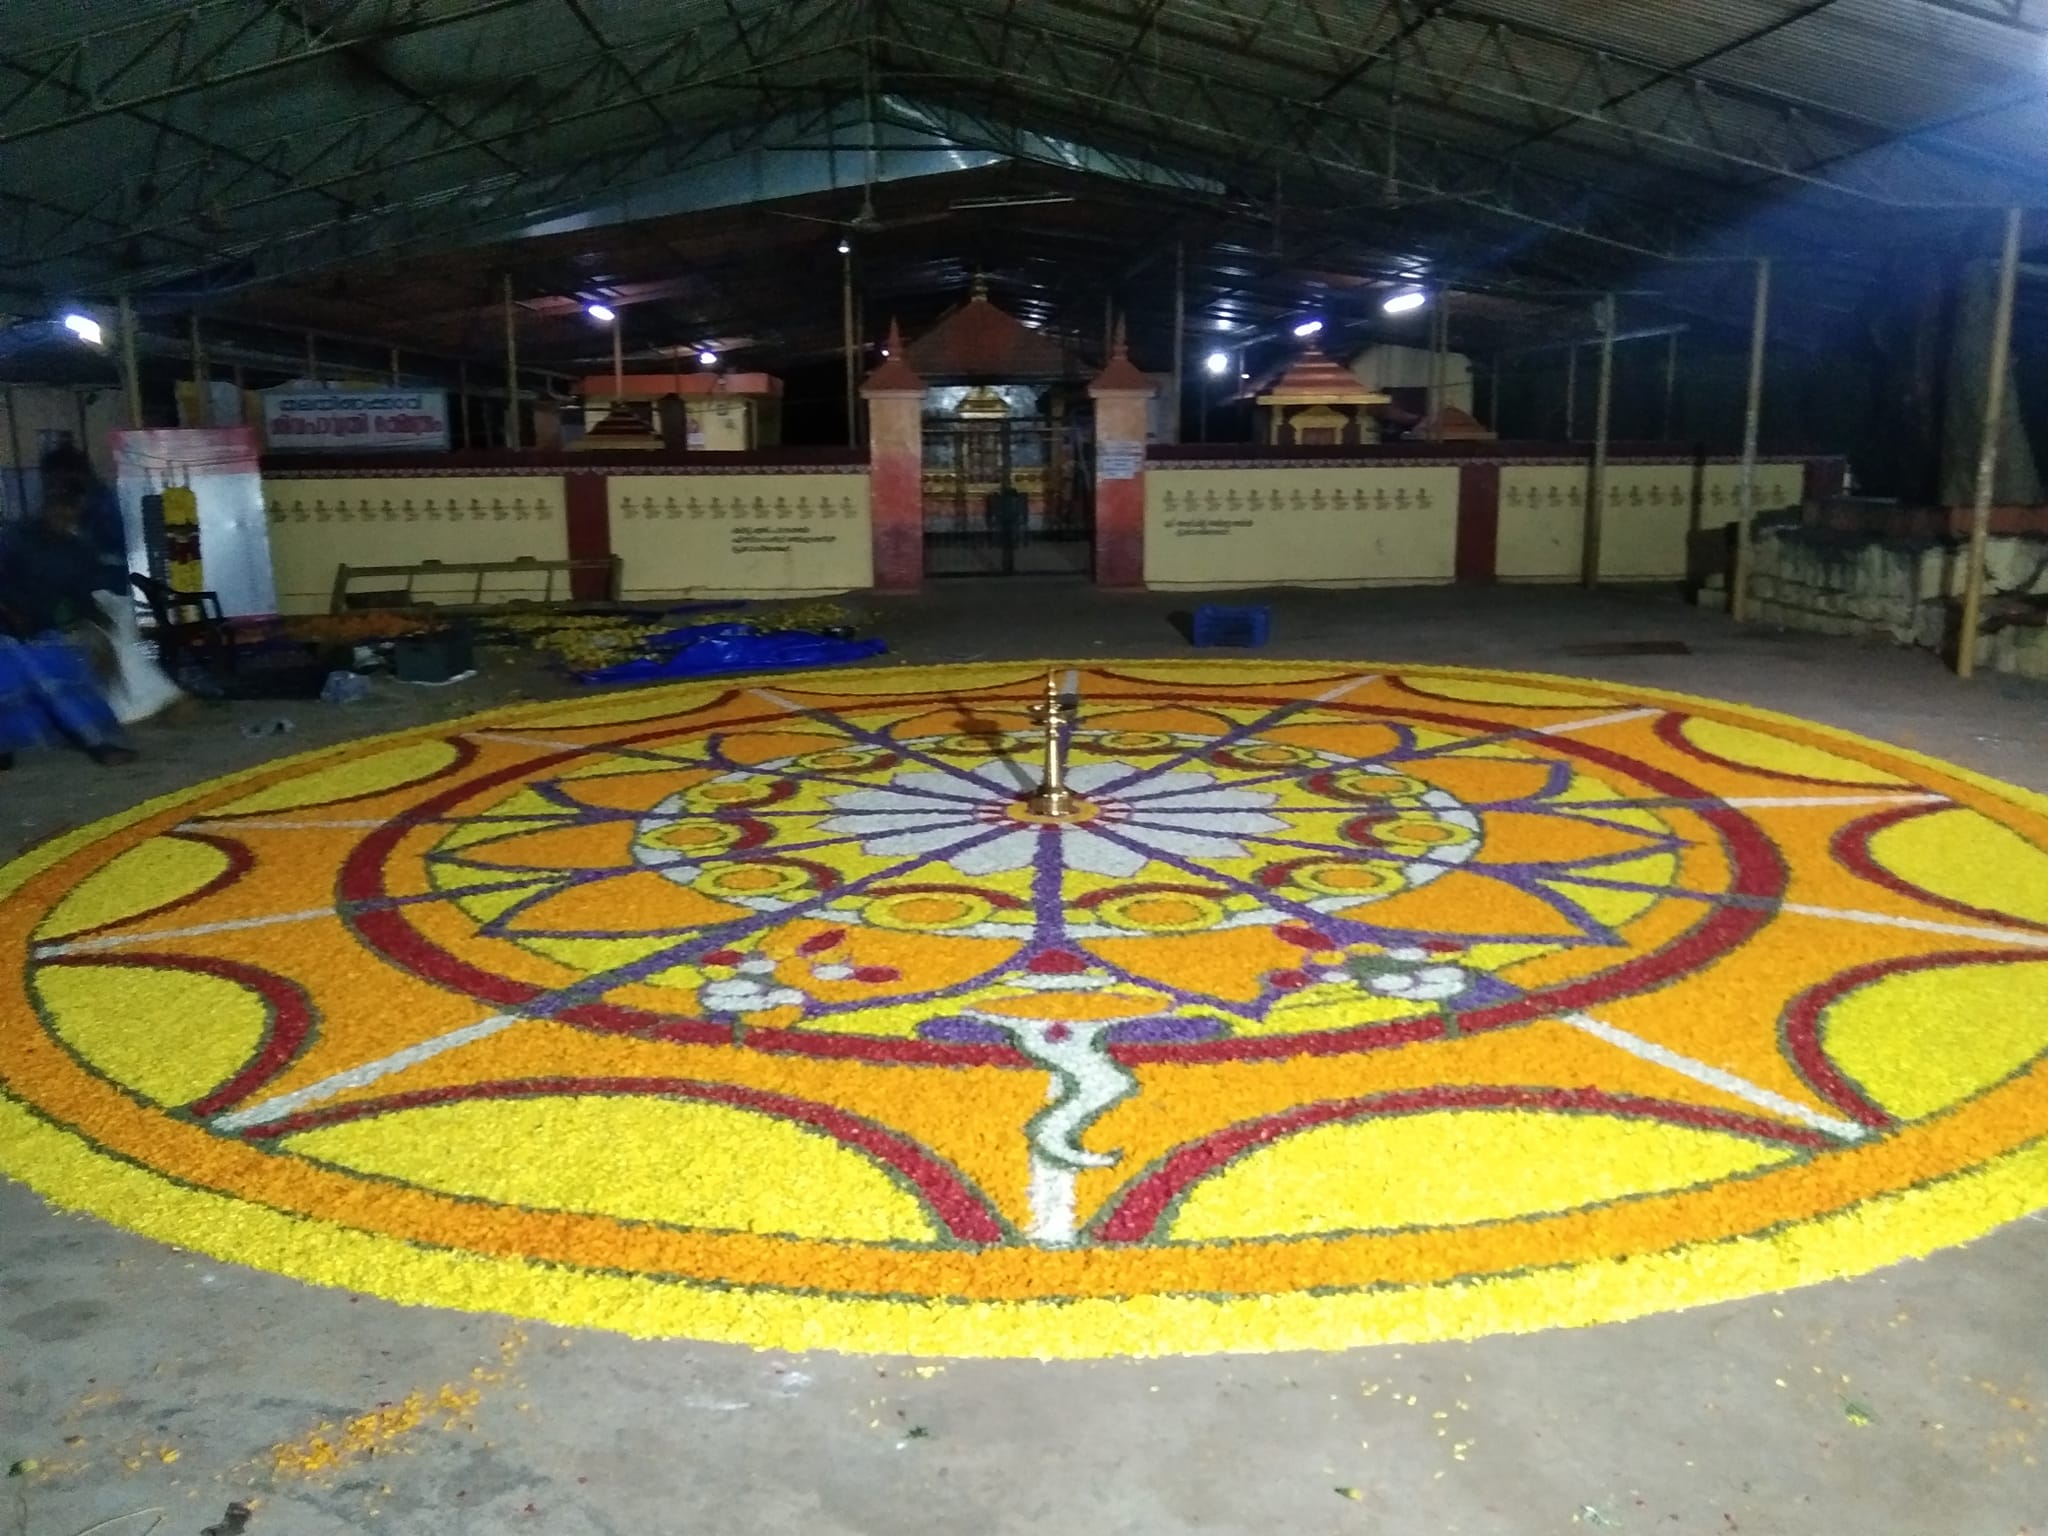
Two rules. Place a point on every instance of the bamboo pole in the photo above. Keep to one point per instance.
(131, 372)
(1596, 482)
(1180, 332)
(394, 367)
(860, 329)
(1493, 395)
(1571, 393)
(1439, 343)
(849, 340)
(618, 358)
(511, 370)
(462, 402)
(1670, 386)
(1987, 450)
(1752, 417)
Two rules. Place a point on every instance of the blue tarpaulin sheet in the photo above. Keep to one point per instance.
(703, 650)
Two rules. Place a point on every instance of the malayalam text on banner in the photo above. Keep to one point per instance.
(325, 420)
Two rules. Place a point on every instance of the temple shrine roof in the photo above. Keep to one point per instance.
(894, 373)
(979, 341)
(619, 427)
(1313, 379)
(1122, 375)
(1452, 425)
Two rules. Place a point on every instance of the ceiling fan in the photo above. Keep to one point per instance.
(1021, 200)
(866, 221)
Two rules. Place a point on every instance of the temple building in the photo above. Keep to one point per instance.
(708, 411)
(1008, 445)
(794, 767)
(1318, 402)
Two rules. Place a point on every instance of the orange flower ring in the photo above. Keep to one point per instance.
(1355, 1005)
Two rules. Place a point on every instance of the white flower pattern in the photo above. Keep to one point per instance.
(1431, 984)
(1184, 814)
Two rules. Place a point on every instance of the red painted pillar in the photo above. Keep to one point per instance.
(1121, 394)
(1478, 523)
(586, 503)
(895, 396)
(1823, 479)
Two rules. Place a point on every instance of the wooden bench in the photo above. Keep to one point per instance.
(346, 600)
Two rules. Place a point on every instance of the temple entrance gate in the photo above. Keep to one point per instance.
(1008, 472)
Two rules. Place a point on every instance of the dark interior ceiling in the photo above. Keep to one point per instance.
(374, 169)
(765, 280)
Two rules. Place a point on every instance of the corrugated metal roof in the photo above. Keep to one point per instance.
(1539, 150)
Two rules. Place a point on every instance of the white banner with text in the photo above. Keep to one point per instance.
(326, 420)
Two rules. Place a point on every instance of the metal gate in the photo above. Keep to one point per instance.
(1009, 496)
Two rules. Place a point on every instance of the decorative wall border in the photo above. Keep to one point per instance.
(1617, 461)
(714, 469)
(554, 471)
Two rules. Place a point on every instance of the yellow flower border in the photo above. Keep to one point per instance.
(65, 1169)
(1907, 1225)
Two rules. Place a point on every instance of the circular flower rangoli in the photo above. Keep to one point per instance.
(1349, 1006)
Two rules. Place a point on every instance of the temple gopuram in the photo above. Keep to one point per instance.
(1008, 446)
(1318, 402)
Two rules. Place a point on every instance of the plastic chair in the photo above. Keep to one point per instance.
(190, 628)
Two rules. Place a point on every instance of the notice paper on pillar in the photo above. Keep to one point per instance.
(325, 421)
(1119, 461)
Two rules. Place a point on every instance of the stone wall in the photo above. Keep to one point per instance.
(1907, 591)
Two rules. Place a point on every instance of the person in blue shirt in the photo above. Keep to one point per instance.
(54, 646)
(69, 479)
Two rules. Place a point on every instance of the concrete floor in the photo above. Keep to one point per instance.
(117, 1355)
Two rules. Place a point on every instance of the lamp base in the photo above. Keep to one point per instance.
(1053, 804)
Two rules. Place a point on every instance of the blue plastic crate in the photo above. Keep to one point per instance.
(1220, 624)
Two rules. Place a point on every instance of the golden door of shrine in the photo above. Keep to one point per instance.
(1006, 482)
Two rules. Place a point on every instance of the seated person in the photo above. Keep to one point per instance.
(68, 477)
(54, 647)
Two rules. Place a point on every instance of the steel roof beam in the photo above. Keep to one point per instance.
(1311, 135)
(1719, 123)
(1718, 120)
(391, 82)
(1778, 103)
(287, 158)
(689, 65)
(176, 54)
(1147, 18)
(1512, 196)
(1406, 27)
(1697, 118)
(1241, 113)
(662, 120)
(2004, 13)
(1688, 69)
(434, 217)
(1329, 229)
(75, 86)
